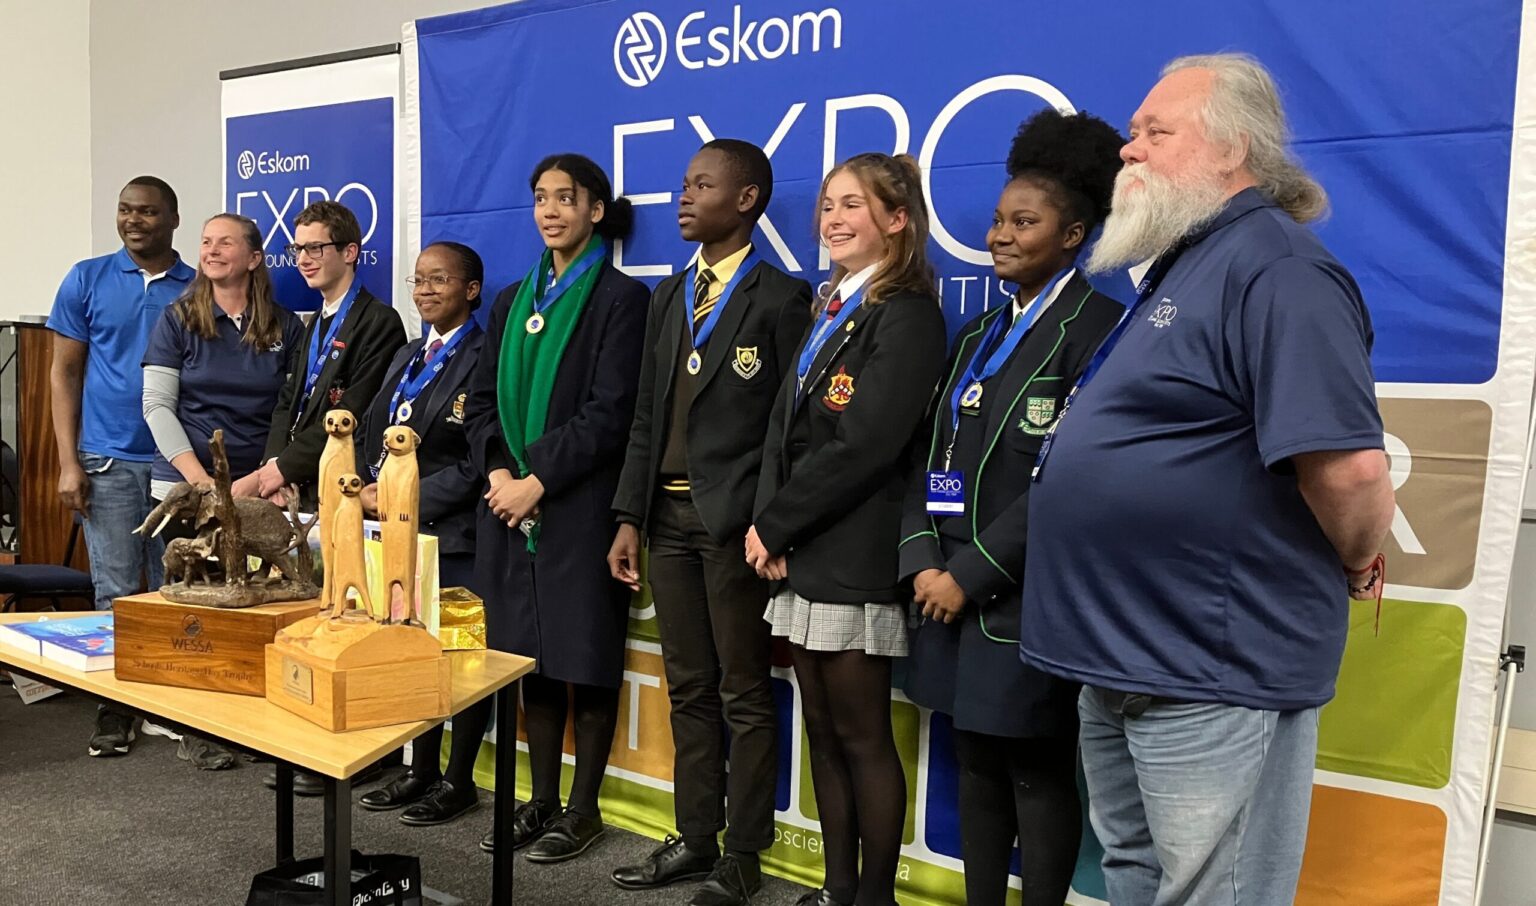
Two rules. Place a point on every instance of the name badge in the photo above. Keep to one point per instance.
(946, 493)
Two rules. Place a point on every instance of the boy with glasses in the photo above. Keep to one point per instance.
(340, 362)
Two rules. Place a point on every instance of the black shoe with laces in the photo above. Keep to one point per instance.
(732, 883)
(528, 824)
(402, 791)
(671, 862)
(443, 803)
(566, 837)
(113, 736)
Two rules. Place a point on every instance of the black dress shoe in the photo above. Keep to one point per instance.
(304, 783)
(403, 790)
(443, 803)
(565, 838)
(307, 784)
(732, 883)
(822, 897)
(669, 863)
(528, 823)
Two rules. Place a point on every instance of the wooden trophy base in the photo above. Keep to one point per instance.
(352, 673)
(197, 647)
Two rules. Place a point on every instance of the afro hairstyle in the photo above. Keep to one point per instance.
(1074, 157)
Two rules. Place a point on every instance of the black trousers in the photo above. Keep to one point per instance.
(715, 648)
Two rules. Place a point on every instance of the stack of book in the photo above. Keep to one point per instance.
(81, 642)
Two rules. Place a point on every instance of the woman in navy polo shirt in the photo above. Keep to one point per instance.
(217, 358)
(425, 389)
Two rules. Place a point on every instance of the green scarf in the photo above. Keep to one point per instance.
(525, 370)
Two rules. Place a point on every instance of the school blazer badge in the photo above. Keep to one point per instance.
(747, 363)
(1039, 412)
(839, 390)
(458, 408)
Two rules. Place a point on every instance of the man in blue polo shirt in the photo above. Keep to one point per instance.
(1215, 494)
(101, 319)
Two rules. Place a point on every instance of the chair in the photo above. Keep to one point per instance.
(46, 581)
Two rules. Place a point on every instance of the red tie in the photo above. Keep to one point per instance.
(836, 304)
(432, 351)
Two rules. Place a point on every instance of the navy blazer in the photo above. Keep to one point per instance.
(561, 606)
(450, 483)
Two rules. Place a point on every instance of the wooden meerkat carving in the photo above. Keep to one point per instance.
(399, 504)
(339, 458)
(349, 570)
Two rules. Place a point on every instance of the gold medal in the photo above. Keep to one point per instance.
(695, 362)
(535, 323)
(971, 398)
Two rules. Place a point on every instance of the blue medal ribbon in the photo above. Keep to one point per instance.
(983, 365)
(411, 387)
(320, 349)
(1153, 278)
(701, 335)
(547, 291)
(826, 326)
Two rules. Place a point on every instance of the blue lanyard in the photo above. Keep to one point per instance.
(548, 291)
(319, 349)
(978, 371)
(1154, 276)
(411, 387)
(701, 336)
(826, 326)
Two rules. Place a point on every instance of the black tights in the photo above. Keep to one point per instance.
(861, 791)
(468, 729)
(545, 705)
(1024, 788)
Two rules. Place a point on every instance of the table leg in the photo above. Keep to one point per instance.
(506, 788)
(338, 842)
(284, 813)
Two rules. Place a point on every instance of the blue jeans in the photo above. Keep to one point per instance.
(1199, 804)
(119, 498)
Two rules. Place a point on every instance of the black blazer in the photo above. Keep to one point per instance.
(835, 465)
(369, 337)
(745, 361)
(450, 485)
(1027, 395)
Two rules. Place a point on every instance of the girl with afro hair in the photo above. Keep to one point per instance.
(1015, 729)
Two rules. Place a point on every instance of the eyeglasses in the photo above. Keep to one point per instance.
(315, 249)
(436, 281)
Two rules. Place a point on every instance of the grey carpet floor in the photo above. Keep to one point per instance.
(149, 829)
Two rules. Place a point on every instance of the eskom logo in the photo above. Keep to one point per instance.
(640, 47)
(248, 164)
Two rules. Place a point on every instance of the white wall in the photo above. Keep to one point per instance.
(45, 104)
(155, 82)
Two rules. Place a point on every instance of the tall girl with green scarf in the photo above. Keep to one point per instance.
(548, 418)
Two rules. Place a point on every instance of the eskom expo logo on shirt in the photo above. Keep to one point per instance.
(640, 47)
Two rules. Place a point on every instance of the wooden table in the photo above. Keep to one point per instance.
(257, 725)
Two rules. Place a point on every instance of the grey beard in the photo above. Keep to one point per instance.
(1160, 216)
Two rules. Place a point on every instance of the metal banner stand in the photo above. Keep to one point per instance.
(1511, 664)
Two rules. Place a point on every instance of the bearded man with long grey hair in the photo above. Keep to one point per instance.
(1213, 494)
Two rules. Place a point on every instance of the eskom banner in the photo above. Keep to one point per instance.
(310, 132)
(1421, 133)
